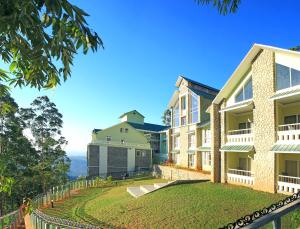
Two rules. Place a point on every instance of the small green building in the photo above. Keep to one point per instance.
(132, 145)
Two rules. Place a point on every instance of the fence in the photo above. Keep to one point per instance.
(40, 220)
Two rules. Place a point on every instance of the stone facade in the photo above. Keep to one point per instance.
(264, 125)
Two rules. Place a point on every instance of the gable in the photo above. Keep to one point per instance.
(132, 136)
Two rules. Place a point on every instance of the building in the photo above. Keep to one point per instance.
(128, 146)
(255, 122)
(189, 136)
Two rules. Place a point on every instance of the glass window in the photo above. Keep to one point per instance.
(183, 103)
(291, 168)
(176, 142)
(245, 93)
(240, 96)
(108, 138)
(126, 130)
(194, 109)
(176, 115)
(295, 74)
(121, 130)
(206, 158)
(205, 137)
(192, 140)
(290, 119)
(248, 90)
(282, 77)
(183, 121)
(191, 160)
(122, 141)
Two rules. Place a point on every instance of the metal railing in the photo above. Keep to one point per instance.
(287, 127)
(239, 132)
(12, 220)
(289, 179)
(240, 172)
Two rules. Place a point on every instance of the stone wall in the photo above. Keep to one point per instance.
(215, 142)
(264, 121)
(171, 173)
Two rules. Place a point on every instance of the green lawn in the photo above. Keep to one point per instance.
(199, 205)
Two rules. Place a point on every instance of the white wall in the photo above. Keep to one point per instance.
(103, 160)
(131, 159)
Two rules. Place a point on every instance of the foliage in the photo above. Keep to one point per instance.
(29, 166)
(45, 123)
(39, 39)
(166, 118)
(224, 7)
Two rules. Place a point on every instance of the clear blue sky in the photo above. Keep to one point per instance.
(147, 45)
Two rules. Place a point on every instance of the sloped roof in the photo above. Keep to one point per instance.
(202, 93)
(197, 83)
(95, 131)
(148, 127)
(245, 65)
(237, 148)
(133, 111)
(286, 94)
(286, 148)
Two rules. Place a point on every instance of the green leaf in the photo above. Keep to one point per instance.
(13, 66)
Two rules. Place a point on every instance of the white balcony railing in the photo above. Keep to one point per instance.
(240, 176)
(288, 184)
(244, 136)
(288, 133)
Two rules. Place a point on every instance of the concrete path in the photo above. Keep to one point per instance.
(144, 189)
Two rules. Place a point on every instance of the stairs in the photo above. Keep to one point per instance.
(145, 189)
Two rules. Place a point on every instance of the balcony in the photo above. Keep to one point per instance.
(288, 133)
(288, 184)
(240, 176)
(240, 137)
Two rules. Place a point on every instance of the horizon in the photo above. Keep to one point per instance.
(147, 46)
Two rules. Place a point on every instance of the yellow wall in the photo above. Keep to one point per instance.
(286, 156)
(287, 110)
(233, 159)
(133, 117)
(233, 120)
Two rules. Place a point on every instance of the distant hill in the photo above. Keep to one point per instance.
(78, 167)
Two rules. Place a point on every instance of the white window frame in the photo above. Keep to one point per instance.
(193, 109)
(192, 140)
(191, 163)
(206, 158)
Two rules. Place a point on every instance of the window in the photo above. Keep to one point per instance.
(205, 137)
(206, 158)
(144, 154)
(192, 140)
(183, 103)
(174, 158)
(138, 153)
(176, 142)
(183, 121)
(122, 141)
(121, 130)
(108, 138)
(191, 160)
(245, 93)
(292, 168)
(245, 164)
(244, 125)
(176, 115)
(286, 77)
(126, 130)
(194, 108)
(291, 119)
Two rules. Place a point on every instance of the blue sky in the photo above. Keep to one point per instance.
(147, 45)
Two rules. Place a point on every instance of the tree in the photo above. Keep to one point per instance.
(166, 118)
(39, 39)
(223, 6)
(45, 123)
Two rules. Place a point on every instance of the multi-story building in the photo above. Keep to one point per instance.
(128, 146)
(189, 136)
(255, 122)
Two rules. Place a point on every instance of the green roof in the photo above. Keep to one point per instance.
(237, 148)
(174, 151)
(286, 148)
(202, 93)
(133, 111)
(286, 93)
(204, 123)
(205, 149)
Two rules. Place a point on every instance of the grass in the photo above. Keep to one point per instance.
(199, 205)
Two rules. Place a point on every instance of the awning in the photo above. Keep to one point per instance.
(203, 149)
(286, 148)
(243, 106)
(175, 151)
(191, 151)
(284, 94)
(203, 123)
(237, 148)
